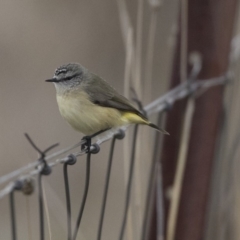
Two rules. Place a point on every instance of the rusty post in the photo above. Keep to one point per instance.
(210, 29)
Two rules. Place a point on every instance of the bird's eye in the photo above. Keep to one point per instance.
(59, 71)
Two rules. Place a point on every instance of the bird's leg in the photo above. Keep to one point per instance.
(88, 140)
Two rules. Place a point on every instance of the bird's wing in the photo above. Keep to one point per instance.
(101, 93)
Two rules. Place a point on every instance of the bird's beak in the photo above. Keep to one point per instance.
(51, 80)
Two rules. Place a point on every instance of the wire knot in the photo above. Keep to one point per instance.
(168, 106)
(28, 186)
(46, 169)
(18, 184)
(95, 148)
(120, 134)
(72, 159)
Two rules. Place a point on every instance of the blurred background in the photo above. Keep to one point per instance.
(140, 44)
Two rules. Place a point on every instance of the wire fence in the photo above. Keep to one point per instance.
(27, 179)
(23, 179)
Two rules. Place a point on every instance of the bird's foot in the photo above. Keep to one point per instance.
(86, 145)
(87, 140)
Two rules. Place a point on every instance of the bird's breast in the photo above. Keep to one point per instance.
(85, 116)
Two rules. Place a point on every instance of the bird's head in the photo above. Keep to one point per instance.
(68, 76)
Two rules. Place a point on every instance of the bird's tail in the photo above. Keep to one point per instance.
(157, 128)
(135, 118)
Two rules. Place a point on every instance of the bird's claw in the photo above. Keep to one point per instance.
(86, 145)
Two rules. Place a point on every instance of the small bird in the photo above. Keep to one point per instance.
(90, 105)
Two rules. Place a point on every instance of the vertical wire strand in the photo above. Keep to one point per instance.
(152, 178)
(128, 194)
(41, 212)
(47, 213)
(88, 165)
(13, 215)
(159, 185)
(106, 189)
(28, 218)
(68, 203)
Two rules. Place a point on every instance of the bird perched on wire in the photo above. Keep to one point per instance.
(90, 105)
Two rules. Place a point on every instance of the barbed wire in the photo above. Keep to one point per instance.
(160, 104)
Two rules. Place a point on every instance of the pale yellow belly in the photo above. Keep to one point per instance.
(86, 117)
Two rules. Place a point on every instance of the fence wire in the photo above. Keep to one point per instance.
(159, 105)
(22, 179)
